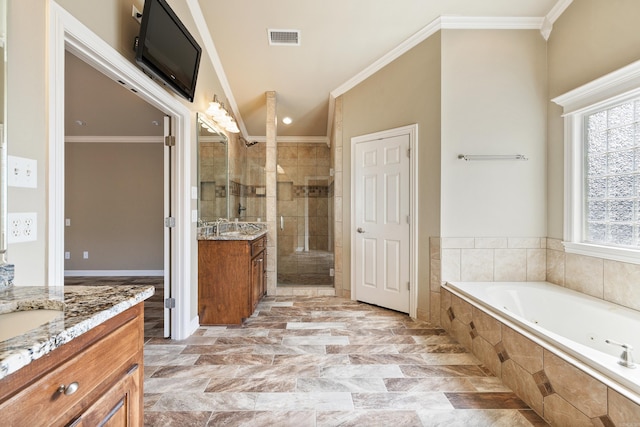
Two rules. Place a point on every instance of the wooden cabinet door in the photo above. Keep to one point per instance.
(120, 406)
(257, 279)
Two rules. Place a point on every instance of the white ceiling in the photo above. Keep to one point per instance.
(339, 40)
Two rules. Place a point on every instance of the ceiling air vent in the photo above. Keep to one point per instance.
(284, 37)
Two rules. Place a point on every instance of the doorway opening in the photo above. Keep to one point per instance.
(114, 159)
(69, 34)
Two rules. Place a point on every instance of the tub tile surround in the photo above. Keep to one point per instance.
(555, 389)
(560, 392)
(476, 259)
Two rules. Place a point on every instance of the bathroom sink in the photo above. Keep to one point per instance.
(231, 233)
(16, 323)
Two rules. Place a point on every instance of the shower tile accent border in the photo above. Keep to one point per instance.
(559, 392)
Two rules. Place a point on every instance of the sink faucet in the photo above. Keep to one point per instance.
(218, 221)
(626, 358)
(241, 208)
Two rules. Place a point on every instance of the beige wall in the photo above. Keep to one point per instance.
(406, 91)
(28, 108)
(590, 39)
(27, 127)
(493, 102)
(114, 196)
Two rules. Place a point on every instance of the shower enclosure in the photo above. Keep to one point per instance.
(304, 208)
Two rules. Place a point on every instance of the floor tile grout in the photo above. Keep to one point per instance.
(320, 362)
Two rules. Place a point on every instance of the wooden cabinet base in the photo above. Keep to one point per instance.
(231, 279)
(94, 378)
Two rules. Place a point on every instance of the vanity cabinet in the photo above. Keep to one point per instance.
(95, 379)
(231, 279)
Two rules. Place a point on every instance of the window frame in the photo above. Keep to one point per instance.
(605, 92)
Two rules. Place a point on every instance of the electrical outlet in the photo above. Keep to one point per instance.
(23, 227)
(67, 255)
(22, 172)
(85, 254)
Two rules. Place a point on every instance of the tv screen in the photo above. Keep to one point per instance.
(167, 50)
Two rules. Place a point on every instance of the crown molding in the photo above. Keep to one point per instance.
(440, 23)
(552, 16)
(426, 32)
(115, 139)
(489, 23)
(557, 10)
(205, 34)
(293, 139)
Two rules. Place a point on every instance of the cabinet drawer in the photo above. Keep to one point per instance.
(43, 402)
(258, 246)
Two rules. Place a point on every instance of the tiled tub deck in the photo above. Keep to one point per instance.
(558, 391)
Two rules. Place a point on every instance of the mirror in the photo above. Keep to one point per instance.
(3, 144)
(213, 168)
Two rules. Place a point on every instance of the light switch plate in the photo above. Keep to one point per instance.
(22, 172)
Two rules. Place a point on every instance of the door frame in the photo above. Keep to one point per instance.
(67, 33)
(412, 132)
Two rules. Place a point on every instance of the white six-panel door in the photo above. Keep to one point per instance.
(381, 235)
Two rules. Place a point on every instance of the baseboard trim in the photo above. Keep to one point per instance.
(112, 273)
(195, 324)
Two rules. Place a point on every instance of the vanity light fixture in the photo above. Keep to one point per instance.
(221, 116)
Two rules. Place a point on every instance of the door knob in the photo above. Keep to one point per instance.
(360, 230)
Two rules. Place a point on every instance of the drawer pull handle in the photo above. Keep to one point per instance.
(70, 389)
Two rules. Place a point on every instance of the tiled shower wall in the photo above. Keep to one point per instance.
(213, 180)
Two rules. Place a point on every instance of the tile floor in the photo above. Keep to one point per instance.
(317, 361)
(323, 361)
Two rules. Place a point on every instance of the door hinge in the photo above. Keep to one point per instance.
(409, 219)
(169, 222)
(170, 303)
(170, 140)
(408, 286)
(409, 152)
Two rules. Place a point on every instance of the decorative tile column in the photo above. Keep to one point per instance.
(270, 170)
(336, 146)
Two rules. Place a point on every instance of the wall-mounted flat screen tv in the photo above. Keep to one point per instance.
(167, 50)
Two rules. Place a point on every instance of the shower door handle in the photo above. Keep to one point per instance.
(281, 222)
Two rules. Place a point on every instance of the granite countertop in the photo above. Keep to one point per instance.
(231, 230)
(232, 236)
(84, 308)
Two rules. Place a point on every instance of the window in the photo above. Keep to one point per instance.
(612, 176)
(602, 167)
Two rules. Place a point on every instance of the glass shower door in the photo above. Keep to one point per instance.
(305, 256)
